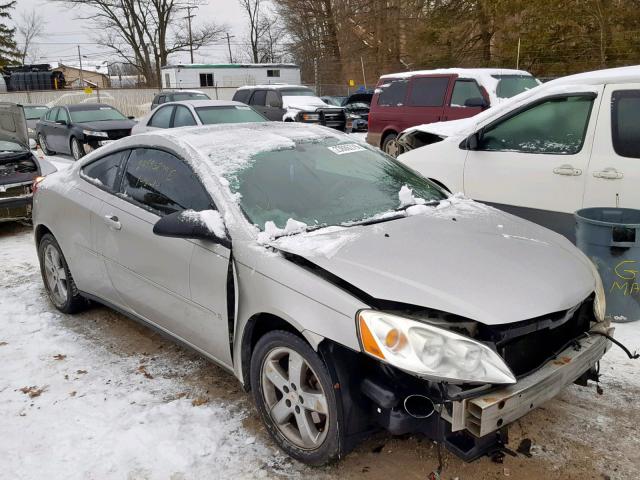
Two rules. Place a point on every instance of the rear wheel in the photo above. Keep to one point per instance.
(43, 145)
(77, 150)
(390, 145)
(57, 278)
(295, 397)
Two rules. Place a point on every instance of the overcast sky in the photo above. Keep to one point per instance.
(63, 32)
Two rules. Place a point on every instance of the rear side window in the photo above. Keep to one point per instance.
(183, 117)
(553, 126)
(242, 95)
(105, 171)
(259, 98)
(464, 90)
(162, 183)
(428, 91)
(625, 122)
(162, 118)
(392, 93)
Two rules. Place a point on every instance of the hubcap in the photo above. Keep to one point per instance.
(43, 143)
(392, 148)
(55, 274)
(294, 398)
(75, 149)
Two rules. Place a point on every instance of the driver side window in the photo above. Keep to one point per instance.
(554, 126)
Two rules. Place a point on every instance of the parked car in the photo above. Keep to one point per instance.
(190, 113)
(291, 103)
(406, 99)
(177, 96)
(333, 100)
(19, 167)
(77, 129)
(329, 278)
(33, 113)
(571, 143)
(357, 107)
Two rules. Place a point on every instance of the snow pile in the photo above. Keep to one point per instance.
(211, 219)
(406, 197)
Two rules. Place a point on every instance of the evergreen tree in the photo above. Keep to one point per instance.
(8, 49)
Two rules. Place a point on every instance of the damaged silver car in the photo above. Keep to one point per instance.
(347, 292)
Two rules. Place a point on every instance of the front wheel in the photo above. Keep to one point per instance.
(390, 145)
(295, 397)
(77, 150)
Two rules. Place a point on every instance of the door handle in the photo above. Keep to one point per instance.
(567, 169)
(112, 222)
(609, 173)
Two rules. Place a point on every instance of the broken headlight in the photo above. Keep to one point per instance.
(430, 351)
(600, 302)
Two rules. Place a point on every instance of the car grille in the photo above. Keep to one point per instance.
(116, 134)
(333, 118)
(531, 349)
(14, 191)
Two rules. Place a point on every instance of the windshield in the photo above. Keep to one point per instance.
(230, 114)
(96, 115)
(34, 113)
(10, 147)
(297, 92)
(335, 101)
(326, 182)
(511, 85)
(189, 96)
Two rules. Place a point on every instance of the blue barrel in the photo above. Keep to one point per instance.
(610, 237)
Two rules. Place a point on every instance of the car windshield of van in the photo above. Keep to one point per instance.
(35, 112)
(177, 97)
(326, 182)
(229, 114)
(511, 85)
(99, 114)
(297, 92)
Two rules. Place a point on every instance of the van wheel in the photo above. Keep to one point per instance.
(295, 397)
(390, 145)
(77, 150)
(43, 145)
(57, 277)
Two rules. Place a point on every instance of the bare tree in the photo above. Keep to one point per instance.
(253, 11)
(144, 33)
(30, 26)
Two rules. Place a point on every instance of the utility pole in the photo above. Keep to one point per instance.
(189, 17)
(229, 45)
(518, 57)
(364, 77)
(80, 60)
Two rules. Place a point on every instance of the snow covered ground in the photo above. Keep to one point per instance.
(95, 396)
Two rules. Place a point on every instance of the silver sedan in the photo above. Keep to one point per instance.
(347, 292)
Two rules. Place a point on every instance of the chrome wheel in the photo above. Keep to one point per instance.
(55, 275)
(391, 148)
(294, 398)
(76, 149)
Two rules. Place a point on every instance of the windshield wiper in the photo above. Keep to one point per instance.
(430, 203)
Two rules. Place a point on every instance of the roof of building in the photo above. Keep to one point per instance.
(272, 86)
(230, 65)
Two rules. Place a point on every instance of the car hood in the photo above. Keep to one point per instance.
(306, 103)
(467, 259)
(108, 125)
(463, 126)
(13, 126)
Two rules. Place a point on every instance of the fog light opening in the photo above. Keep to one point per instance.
(419, 406)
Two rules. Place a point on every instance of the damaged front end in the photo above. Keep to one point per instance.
(17, 174)
(469, 407)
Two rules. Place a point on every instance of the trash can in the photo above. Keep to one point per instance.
(610, 237)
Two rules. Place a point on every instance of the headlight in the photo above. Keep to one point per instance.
(31, 130)
(353, 116)
(429, 351)
(311, 117)
(600, 302)
(95, 133)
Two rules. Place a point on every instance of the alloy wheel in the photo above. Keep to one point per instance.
(56, 275)
(294, 398)
(75, 149)
(391, 148)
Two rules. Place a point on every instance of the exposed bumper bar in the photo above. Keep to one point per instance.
(489, 412)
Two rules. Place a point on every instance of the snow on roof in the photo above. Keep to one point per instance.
(629, 74)
(273, 86)
(206, 103)
(231, 65)
(475, 73)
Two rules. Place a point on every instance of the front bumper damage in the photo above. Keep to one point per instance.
(15, 201)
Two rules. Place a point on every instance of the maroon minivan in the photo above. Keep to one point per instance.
(410, 100)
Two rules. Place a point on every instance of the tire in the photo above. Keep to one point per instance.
(390, 146)
(77, 150)
(43, 145)
(62, 292)
(270, 361)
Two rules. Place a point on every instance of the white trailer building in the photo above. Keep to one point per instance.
(195, 75)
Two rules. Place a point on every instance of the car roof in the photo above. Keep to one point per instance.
(171, 92)
(475, 73)
(37, 105)
(206, 103)
(87, 106)
(271, 86)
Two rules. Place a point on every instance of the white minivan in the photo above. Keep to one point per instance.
(568, 144)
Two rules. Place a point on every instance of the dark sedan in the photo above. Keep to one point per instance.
(78, 129)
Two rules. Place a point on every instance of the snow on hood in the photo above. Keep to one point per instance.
(304, 102)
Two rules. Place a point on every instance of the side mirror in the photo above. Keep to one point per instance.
(131, 117)
(205, 225)
(476, 102)
(61, 122)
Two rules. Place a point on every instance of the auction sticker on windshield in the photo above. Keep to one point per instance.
(346, 148)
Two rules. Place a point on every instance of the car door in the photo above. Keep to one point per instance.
(156, 276)
(62, 132)
(258, 101)
(613, 179)
(182, 117)
(464, 91)
(273, 106)
(425, 101)
(48, 125)
(533, 161)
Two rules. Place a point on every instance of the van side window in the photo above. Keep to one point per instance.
(625, 122)
(554, 126)
(428, 91)
(392, 93)
(464, 90)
